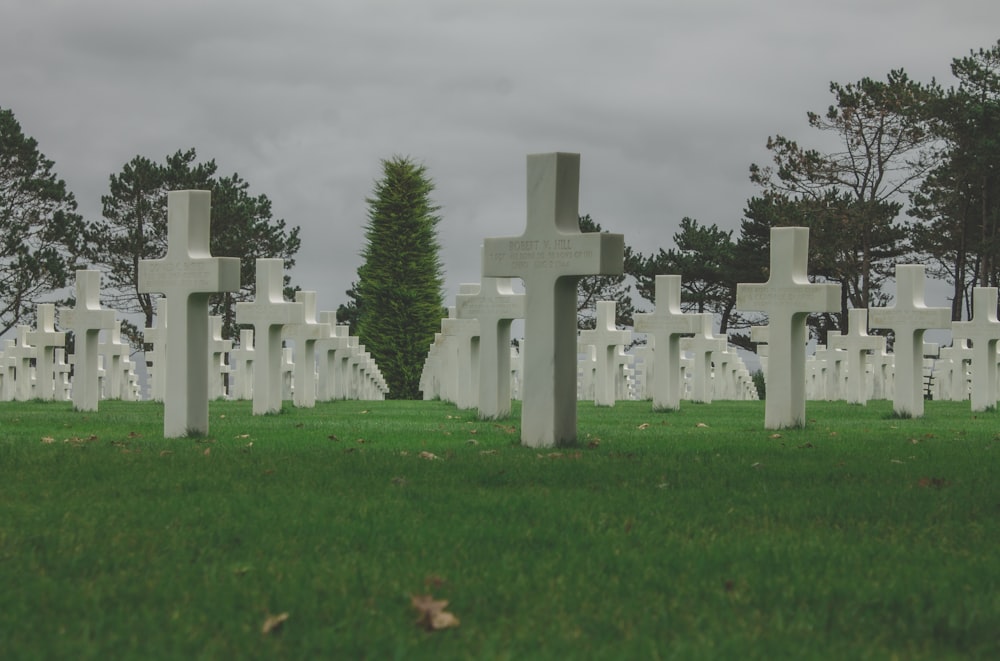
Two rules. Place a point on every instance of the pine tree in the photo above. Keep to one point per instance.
(399, 291)
(42, 237)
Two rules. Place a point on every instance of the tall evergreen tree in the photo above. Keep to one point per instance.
(42, 237)
(399, 296)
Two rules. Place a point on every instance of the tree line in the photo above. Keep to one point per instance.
(915, 176)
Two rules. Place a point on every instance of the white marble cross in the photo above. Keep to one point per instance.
(306, 335)
(665, 325)
(550, 257)
(218, 347)
(857, 343)
(787, 298)
(326, 356)
(495, 305)
(268, 313)
(46, 339)
(703, 344)
(156, 358)
(984, 332)
(187, 275)
(606, 338)
(908, 318)
(241, 364)
(87, 319)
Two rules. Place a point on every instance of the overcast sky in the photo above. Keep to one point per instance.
(668, 102)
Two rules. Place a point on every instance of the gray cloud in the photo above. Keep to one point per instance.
(668, 103)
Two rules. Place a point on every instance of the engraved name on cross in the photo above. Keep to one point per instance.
(550, 257)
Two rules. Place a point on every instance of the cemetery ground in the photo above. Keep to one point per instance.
(690, 534)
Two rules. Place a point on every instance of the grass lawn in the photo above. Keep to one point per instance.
(689, 535)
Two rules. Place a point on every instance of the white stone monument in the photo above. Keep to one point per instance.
(495, 305)
(550, 257)
(187, 275)
(858, 344)
(87, 319)
(605, 338)
(268, 313)
(665, 326)
(305, 336)
(787, 298)
(983, 330)
(908, 319)
(46, 339)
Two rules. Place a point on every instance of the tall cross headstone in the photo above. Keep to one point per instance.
(702, 344)
(787, 298)
(606, 338)
(495, 305)
(665, 325)
(46, 339)
(268, 314)
(87, 319)
(984, 331)
(550, 257)
(187, 275)
(306, 335)
(908, 318)
(857, 343)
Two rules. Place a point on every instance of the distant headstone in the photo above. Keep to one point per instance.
(495, 306)
(550, 257)
(787, 298)
(46, 340)
(87, 319)
(268, 313)
(187, 275)
(665, 325)
(702, 344)
(241, 362)
(606, 338)
(306, 335)
(858, 344)
(908, 319)
(984, 332)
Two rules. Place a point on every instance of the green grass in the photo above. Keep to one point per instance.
(861, 536)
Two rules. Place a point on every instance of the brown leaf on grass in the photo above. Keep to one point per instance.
(487, 452)
(775, 435)
(507, 429)
(134, 434)
(935, 482)
(399, 481)
(914, 441)
(593, 443)
(430, 456)
(48, 439)
(207, 451)
(333, 437)
(472, 441)
(364, 412)
(806, 446)
(164, 453)
(273, 623)
(242, 436)
(644, 425)
(433, 616)
(701, 424)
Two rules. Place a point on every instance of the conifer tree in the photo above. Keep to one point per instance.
(398, 296)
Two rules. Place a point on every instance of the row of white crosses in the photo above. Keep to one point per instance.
(187, 275)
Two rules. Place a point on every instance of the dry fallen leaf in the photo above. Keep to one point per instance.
(164, 453)
(701, 424)
(775, 435)
(433, 615)
(644, 425)
(207, 451)
(428, 455)
(48, 439)
(594, 443)
(472, 441)
(487, 452)
(242, 436)
(273, 623)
